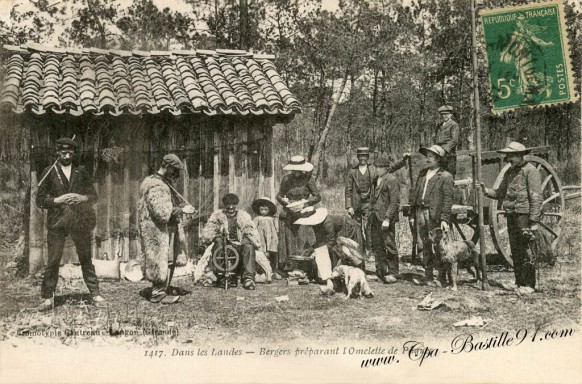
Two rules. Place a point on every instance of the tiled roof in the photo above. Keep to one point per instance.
(98, 81)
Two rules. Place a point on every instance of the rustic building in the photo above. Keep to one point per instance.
(215, 109)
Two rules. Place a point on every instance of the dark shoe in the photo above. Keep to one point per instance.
(169, 299)
(249, 285)
(369, 295)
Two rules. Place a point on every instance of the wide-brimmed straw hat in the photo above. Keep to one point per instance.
(298, 163)
(436, 149)
(264, 202)
(312, 216)
(515, 147)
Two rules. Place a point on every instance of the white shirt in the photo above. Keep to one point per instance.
(363, 169)
(67, 171)
(429, 174)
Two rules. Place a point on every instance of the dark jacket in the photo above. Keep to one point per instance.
(386, 199)
(295, 189)
(447, 136)
(80, 216)
(353, 192)
(521, 191)
(438, 197)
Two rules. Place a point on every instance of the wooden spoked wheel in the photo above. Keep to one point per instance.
(553, 205)
(225, 262)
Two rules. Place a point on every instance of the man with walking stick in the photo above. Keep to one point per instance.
(159, 214)
(521, 193)
(66, 191)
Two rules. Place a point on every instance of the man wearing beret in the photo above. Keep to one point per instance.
(385, 204)
(521, 193)
(66, 191)
(447, 137)
(159, 213)
(242, 234)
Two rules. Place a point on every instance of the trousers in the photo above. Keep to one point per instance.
(384, 246)
(425, 224)
(55, 243)
(523, 267)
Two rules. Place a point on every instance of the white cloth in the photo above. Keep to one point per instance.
(67, 171)
(363, 169)
(323, 262)
(429, 174)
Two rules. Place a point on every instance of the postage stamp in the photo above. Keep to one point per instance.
(528, 56)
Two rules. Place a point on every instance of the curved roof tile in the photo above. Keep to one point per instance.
(114, 82)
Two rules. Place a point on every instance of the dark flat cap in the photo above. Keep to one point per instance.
(230, 198)
(173, 160)
(66, 143)
(383, 162)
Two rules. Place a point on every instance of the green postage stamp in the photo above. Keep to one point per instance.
(528, 56)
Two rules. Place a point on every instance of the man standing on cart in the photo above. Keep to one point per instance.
(521, 193)
(447, 137)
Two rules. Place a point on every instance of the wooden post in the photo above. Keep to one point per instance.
(36, 230)
(485, 285)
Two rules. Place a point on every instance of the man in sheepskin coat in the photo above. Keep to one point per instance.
(242, 234)
(159, 215)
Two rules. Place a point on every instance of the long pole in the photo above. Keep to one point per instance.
(485, 283)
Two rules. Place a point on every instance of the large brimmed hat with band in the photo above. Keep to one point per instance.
(516, 148)
(436, 149)
(363, 151)
(446, 109)
(311, 216)
(298, 163)
(264, 202)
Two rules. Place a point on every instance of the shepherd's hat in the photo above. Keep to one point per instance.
(436, 149)
(298, 163)
(515, 147)
(262, 202)
(311, 216)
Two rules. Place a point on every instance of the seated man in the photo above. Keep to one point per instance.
(242, 235)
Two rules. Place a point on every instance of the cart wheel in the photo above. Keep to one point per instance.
(226, 263)
(553, 206)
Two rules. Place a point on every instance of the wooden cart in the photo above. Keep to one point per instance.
(494, 167)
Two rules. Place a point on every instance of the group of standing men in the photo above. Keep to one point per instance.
(372, 198)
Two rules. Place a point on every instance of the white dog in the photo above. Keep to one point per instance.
(354, 279)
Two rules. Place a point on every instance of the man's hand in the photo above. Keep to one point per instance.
(285, 200)
(406, 155)
(71, 199)
(444, 226)
(385, 224)
(176, 212)
(411, 221)
(351, 211)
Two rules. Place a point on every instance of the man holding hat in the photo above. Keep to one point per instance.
(159, 213)
(431, 200)
(241, 233)
(66, 191)
(521, 192)
(359, 189)
(383, 218)
(447, 137)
